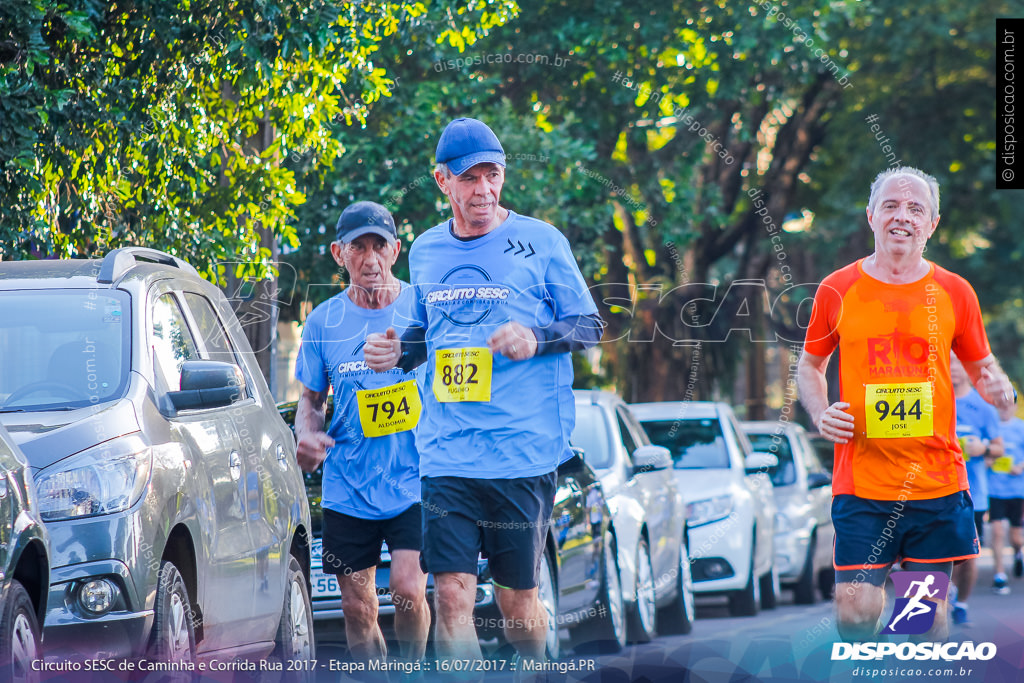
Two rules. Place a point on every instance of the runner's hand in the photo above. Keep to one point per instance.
(382, 351)
(997, 388)
(835, 424)
(974, 446)
(311, 450)
(514, 341)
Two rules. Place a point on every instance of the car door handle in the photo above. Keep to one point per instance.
(235, 465)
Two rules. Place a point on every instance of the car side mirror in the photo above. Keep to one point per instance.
(651, 458)
(817, 480)
(208, 384)
(760, 462)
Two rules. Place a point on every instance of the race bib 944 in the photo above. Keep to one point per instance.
(896, 411)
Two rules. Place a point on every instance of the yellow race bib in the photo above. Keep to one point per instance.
(389, 410)
(896, 411)
(463, 375)
(1003, 465)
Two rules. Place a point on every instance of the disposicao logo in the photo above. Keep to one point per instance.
(914, 613)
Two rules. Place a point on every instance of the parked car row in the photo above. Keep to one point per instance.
(166, 480)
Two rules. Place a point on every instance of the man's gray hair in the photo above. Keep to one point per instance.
(933, 186)
(445, 171)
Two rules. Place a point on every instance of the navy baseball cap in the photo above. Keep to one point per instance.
(467, 142)
(362, 218)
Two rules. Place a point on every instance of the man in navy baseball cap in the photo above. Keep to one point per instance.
(363, 218)
(467, 142)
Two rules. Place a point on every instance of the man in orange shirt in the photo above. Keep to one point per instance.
(900, 484)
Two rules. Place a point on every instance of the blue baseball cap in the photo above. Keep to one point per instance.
(362, 218)
(467, 142)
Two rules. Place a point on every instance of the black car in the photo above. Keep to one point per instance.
(24, 566)
(580, 550)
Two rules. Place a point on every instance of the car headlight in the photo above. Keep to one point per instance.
(708, 510)
(105, 479)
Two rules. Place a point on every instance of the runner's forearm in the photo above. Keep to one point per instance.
(573, 333)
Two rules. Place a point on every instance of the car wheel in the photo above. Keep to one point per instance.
(677, 616)
(803, 591)
(294, 641)
(547, 593)
(745, 602)
(770, 589)
(19, 636)
(605, 633)
(174, 638)
(640, 623)
(827, 583)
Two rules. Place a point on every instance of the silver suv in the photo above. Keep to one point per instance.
(167, 480)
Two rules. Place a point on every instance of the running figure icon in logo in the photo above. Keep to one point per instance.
(916, 609)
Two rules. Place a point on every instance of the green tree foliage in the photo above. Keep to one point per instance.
(165, 122)
(686, 111)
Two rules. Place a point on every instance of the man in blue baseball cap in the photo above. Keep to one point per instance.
(371, 490)
(500, 304)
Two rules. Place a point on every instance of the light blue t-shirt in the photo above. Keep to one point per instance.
(523, 270)
(1003, 484)
(366, 477)
(975, 416)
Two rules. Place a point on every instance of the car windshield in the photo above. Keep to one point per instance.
(694, 443)
(61, 350)
(591, 434)
(785, 472)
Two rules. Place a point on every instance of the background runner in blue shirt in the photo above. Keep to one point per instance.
(500, 303)
(1006, 496)
(371, 473)
(977, 424)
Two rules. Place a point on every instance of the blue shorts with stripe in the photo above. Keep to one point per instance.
(872, 534)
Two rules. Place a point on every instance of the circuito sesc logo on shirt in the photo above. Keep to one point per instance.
(467, 295)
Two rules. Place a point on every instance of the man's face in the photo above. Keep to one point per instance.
(902, 220)
(474, 195)
(368, 259)
(957, 374)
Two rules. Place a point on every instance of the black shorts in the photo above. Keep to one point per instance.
(504, 519)
(979, 524)
(1011, 509)
(873, 534)
(352, 544)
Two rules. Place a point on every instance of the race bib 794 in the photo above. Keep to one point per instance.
(389, 410)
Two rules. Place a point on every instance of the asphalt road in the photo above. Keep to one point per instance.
(788, 644)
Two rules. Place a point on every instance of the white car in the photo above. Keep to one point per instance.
(803, 526)
(648, 515)
(730, 505)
